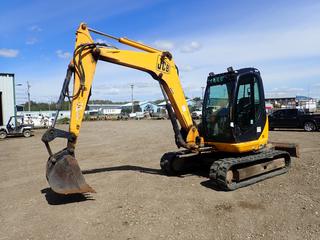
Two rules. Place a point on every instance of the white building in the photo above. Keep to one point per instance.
(41, 119)
(145, 106)
(190, 102)
(299, 102)
(106, 109)
(7, 97)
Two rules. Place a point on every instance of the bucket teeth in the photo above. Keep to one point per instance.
(64, 175)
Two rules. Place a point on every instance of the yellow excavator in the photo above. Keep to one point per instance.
(232, 135)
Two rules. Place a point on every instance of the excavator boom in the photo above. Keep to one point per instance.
(63, 172)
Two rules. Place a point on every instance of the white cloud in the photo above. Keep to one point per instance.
(62, 54)
(285, 91)
(295, 74)
(185, 68)
(31, 41)
(280, 54)
(164, 44)
(106, 91)
(35, 28)
(245, 47)
(99, 40)
(9, 53)
(287, 57)
(295, 89)
(290, 92)
(191, 47)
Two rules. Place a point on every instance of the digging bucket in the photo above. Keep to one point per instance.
(64, 174)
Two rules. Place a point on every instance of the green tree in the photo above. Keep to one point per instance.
(41, 106)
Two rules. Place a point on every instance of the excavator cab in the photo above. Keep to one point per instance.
(233, 107)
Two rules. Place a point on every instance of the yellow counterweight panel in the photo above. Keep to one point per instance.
(245, 146)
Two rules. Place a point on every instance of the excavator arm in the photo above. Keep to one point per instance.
(63, 172)
(158, 64)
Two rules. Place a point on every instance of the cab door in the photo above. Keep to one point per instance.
(249, 109)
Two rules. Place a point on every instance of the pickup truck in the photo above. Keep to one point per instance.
(294, 118)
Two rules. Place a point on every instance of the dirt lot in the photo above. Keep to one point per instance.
(134, 201)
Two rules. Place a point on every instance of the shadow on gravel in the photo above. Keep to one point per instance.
(15, 136)
(58, 199)
(211, 185)
(200, 170)
(124, 168)
(197, 171)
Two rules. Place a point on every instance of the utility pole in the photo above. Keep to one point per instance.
(202, 89)
(132, 97)
(28, 91)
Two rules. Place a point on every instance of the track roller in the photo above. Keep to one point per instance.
(232, 173)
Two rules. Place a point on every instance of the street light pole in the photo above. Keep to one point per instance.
(132, 97)
(202, 88)
(17, 85)
(28, 89)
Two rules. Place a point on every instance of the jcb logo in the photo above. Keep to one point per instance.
(163, 65)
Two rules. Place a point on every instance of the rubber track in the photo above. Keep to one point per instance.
(219, 169)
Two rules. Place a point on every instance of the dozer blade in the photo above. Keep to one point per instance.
(64, 175)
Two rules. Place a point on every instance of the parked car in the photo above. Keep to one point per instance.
(139, 115)
(294, 118)
(160, 114)
(123, 116)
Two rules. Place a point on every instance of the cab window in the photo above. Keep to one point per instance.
(248, 105)
(216, 109)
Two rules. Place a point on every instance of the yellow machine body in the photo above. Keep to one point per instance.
(63, 173)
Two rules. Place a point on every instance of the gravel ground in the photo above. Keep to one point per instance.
(135, 201)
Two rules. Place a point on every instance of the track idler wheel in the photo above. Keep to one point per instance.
(172, 165)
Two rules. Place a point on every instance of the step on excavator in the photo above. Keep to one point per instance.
(232, 135)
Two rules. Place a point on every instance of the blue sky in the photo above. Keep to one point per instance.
(280, 38)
